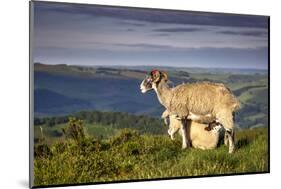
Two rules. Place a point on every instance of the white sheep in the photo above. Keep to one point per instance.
(202, 98)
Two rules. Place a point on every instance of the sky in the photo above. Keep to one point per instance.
(78, 34)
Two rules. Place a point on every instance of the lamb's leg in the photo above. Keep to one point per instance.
(226, 119)
(184, 130)
(165, 116)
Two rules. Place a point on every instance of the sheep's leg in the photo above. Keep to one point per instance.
(230, 135)
(172, 136)
(172, 132)
(225, 139)
(184, 126)
(233, 135)
(226, 119)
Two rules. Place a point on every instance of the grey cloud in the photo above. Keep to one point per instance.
(144, 45)
(130, 30)
(179, 30)
(107, 46)
(156, 15)
(132, 24)
(161, 34)
(245, 33)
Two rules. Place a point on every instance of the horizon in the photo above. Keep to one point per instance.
(102, 35)
(193, 67)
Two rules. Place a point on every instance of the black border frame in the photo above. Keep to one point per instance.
(31, 98)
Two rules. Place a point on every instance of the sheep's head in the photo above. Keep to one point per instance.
(154, 77)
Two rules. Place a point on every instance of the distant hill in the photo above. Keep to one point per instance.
(88, 72)
(193, 69)
(63, 89)
(47, 101)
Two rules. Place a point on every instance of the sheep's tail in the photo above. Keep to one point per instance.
(236, 105)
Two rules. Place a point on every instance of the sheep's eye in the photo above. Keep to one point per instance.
(149, 80)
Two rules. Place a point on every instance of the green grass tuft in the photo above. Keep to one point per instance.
(130, 155)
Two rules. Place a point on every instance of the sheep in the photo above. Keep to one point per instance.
(202, 136)
(201, 98)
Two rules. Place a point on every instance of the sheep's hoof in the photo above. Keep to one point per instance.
(226, 140)
(185, 146)
(231, 149)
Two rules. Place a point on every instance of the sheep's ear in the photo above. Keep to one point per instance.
(165, 76)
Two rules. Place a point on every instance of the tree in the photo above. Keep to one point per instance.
(75, 130)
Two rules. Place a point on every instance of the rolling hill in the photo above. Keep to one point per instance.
(62, 89)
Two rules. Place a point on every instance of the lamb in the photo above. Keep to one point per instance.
(202, 98)
(199, 134)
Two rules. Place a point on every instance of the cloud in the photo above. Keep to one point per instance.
(156, 15)
(202, 57)
(179, 30)
(130, 30)
(245, 33)
(132, 23)
(161, 34)
(144, 46)
(89, 33)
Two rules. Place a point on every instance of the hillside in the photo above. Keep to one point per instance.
(62, 90)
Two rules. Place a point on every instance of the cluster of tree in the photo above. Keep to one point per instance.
(50, 121)
(118, 120)
(75, 130)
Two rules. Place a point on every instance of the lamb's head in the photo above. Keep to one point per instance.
(152, 78)
(214, 127)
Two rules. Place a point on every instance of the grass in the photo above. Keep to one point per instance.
(100, 131)
(129, 155)
(92, 130)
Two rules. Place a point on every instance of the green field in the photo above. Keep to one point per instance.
(129, 155)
